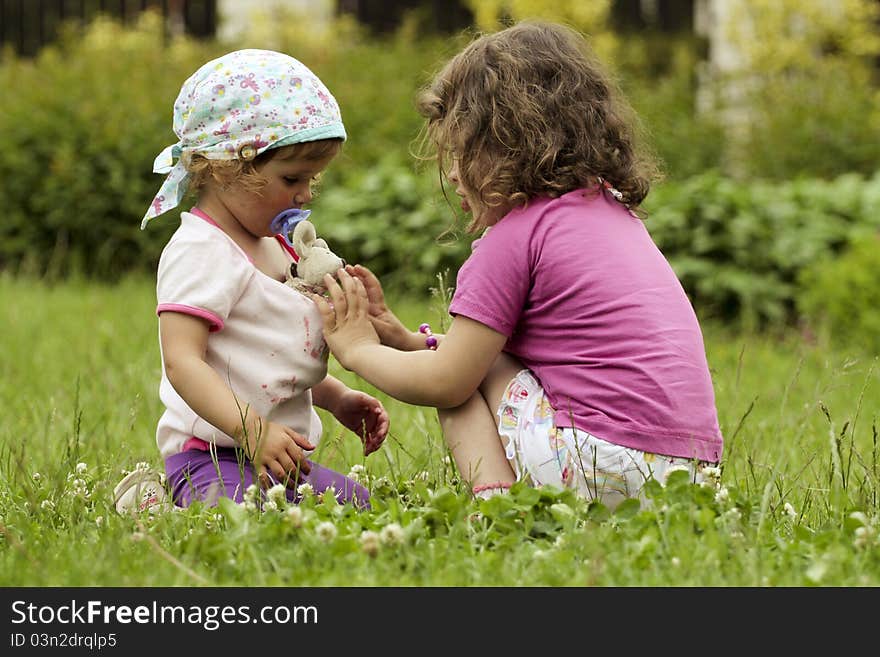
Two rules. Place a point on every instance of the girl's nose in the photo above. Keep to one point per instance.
(303, 197)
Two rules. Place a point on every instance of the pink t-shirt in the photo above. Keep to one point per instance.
(593, 309)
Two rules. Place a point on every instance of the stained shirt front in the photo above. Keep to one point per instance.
(265, 339)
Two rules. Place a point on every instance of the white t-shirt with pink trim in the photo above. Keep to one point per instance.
(265, 338)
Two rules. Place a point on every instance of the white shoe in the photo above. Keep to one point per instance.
(141, 490)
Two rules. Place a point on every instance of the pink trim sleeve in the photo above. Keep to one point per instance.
(216, 324)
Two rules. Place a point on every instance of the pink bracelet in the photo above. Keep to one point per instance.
(430, 341)
(497, 484)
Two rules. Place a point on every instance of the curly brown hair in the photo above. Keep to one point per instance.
(530, 111)
(246, 173)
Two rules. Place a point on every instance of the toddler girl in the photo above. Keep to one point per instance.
(243, 359)
(574, 357)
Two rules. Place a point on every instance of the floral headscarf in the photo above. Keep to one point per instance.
(236, 107)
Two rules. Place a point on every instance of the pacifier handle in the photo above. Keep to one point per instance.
(285, 221)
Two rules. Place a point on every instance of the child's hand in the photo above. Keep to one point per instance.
(280, 451)
(390, 329)
(346, 323)
(365, 416)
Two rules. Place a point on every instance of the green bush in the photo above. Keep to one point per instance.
(393, 219)
(77, 142)
(87, 117)
(738, 248)
(840, 297)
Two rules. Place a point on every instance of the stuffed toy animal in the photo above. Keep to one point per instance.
(315, 260)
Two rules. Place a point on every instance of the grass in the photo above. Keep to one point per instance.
(796, 504)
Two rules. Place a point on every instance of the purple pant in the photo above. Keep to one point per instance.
(193, 475)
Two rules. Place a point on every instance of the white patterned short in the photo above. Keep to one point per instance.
(545, 455)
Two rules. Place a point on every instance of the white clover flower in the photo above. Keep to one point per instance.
(277, 494)
(79, 488)
(305, 489)
(722, 495)
(357, 472)
(36, 476)
(326, 531)
(675, 561)
(370, 542)
(789, 510)
(391, 534)
(249, 505)
(81, 468)
(864, 536)
(295, 516)
(99, 521)
(539, 555)
(251, 496)
(423, 475)
(137, 537)
(711, 472)
(733, 514)
(270, 505)
(47, 505)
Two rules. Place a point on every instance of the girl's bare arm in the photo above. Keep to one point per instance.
(444, 378)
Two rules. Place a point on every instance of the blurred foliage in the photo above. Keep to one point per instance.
(840, 297)
(394, 218)
(79, 135)
(804, 97)
(590, 18)
(84, 120)
(738, 248)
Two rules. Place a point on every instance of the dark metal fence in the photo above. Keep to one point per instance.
(28, 25)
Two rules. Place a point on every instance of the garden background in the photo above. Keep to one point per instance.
(769, 213)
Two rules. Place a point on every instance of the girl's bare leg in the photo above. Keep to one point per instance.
(471, 430)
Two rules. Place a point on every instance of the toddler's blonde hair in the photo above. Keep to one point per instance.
(245, 174)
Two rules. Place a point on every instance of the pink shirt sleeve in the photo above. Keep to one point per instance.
(493, 283)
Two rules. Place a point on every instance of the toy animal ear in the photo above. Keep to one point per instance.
(320, 243)
(303, 237)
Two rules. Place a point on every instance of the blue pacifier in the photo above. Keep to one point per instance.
(285, 221)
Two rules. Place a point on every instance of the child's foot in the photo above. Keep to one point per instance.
(141, 490)
(485, 491)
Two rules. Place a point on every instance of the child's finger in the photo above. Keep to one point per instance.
(325, 310)
(355, 295)
(337, 297)
(263, 477)
(299, 439)
(363, 297)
